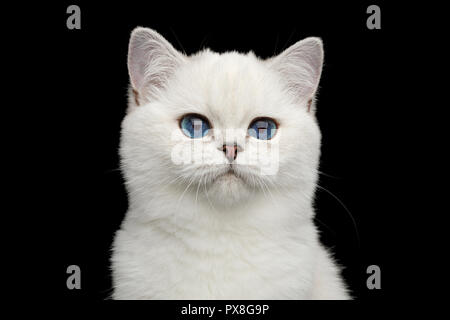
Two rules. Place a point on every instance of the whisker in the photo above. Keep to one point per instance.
(207, 197)
(327, 175)
(287, 41)
(176, 38)
(348, 212)
(204, 40)
(198, 188)
(112, 170)
(268, 190)
(276, 43)
(182, 195)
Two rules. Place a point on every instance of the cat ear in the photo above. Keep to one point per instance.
(151, 62)
(300, 66)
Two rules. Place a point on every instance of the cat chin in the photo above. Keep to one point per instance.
(228, 189)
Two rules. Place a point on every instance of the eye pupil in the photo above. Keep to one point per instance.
(262, 129)
(194, 126)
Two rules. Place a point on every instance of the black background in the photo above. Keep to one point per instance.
(83, 75)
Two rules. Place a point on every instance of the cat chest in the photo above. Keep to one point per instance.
(217, 266)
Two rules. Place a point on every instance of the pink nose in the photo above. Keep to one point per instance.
(230, 151)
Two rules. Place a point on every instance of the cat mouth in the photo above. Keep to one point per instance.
(230, 173)
(233, 175)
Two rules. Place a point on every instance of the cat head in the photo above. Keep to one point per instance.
(226, 127)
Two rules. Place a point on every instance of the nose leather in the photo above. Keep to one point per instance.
(230, 151)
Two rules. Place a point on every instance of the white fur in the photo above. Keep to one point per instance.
(192, 232)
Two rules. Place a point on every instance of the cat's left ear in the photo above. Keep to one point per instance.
(152, 60)
(300, 67)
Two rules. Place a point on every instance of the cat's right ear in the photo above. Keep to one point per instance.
(152, 60)
(301, 66)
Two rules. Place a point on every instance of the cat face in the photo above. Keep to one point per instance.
(222, 126)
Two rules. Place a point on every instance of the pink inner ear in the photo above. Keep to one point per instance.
(309, 104)
(139, 56)
(300, 66)
(136, 97)
(151, 61)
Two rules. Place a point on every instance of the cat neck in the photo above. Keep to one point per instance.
(191, 210)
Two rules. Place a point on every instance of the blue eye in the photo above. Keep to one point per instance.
(194, 126)
(262, 128)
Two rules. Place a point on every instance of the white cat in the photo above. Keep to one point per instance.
(220, 156)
